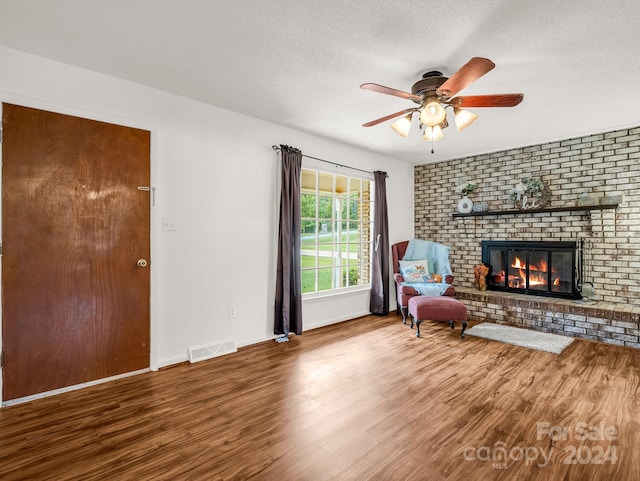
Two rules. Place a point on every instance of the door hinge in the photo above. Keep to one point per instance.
(1, 132)
(2, 359)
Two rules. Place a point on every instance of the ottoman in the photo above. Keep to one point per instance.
(441, 308)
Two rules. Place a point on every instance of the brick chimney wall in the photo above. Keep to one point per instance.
(605, 164)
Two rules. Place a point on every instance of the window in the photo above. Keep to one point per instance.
(336, 214)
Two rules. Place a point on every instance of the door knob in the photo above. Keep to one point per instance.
(142, 263)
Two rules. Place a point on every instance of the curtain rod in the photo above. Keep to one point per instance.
(275, 147)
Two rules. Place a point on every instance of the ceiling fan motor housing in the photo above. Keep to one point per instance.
(425, 88)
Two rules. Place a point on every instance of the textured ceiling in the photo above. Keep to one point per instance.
(300, 63)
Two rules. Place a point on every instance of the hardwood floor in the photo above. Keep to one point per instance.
(361, 400)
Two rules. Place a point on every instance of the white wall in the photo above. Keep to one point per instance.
(215, 172)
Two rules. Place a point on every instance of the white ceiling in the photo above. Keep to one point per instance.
(300, 63)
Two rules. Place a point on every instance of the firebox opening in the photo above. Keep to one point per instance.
(536, 268)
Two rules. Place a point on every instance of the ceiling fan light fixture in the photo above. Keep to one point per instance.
(433, 133)
(402, 126)
(432, 114)
(463, 118)
(434, 93)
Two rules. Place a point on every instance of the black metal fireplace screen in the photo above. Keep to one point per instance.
(536, 268)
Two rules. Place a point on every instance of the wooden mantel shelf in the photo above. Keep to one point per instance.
(573, 208)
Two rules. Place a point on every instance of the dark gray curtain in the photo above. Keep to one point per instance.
(379, 301)
(288, 305)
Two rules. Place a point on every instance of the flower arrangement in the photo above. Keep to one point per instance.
(465, 187)
(529, 185)
(531, 193)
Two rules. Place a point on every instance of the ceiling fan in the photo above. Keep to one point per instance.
(434, 93)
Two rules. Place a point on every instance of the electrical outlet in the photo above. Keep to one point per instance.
(232, 313)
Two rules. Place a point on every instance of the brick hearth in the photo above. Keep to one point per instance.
(600, 321)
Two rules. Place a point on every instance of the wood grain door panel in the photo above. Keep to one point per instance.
(75, 305)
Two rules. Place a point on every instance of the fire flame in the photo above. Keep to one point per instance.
(518, 264)
(537, 274)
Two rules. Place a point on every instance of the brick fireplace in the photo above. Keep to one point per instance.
(594, 166)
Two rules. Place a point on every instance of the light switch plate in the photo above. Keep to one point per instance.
(168, 223)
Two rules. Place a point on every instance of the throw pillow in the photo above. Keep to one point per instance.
(415, 271)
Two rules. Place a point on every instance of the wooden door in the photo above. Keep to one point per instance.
(75, 303)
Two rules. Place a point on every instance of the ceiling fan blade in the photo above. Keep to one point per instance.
(468, 73)
(499, 100)
(388, 117)
(389, 91)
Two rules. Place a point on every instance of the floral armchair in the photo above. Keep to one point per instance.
(438, 260)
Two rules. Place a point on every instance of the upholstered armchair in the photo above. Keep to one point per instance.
(439, 264)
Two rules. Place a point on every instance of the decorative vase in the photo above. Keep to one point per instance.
(465, 206)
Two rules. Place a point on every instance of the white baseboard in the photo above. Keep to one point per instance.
(249, 342)
(170, 361)
(336, 320)
(72, 388)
